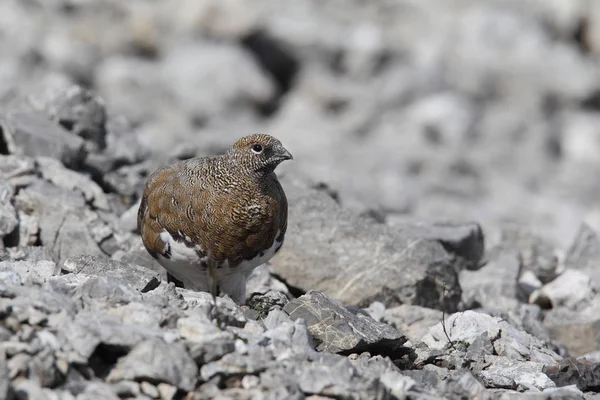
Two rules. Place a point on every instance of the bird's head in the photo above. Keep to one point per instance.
(259, 154)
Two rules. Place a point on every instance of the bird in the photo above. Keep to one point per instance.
(227, 212)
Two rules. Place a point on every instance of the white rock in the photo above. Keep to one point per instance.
(570, 289)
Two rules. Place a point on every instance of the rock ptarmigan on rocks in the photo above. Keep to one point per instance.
(228, 211)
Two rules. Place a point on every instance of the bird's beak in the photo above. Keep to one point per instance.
(282, 154)
(286, 155)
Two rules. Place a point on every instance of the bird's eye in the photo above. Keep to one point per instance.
(257, 148)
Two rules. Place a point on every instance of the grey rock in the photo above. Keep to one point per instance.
(413, 321)
(495, 284)
(276, 318)
(536, 254)
(43, 299)
(227, 311)
(255, 360)
(29, 230)
(89, 329)
(584, 253)
(67, 284)
(27, 389)
(507, 341)
(462, 384)
(97, 390)
(593, 356)
(215, 349)
(365, 258)
(398, 385)
(30, 253)
(14, 347)
(149, 389)
(17, 170)
(271, 384)
(278, 384)
(576, 330)
(262, 281)
(136, 253)
(480, 348)
(372, 367)
(9, 274)
(128, 220)
(48, 339)
(336, 380)
(31, 134)
(499, 381)
(506, 373)
(18, 365)
(107, 290)
(564, 393)
(156, 361)
(134, 276)
(376, 310)
(43, 370)
(290, 340)
(38, 272)
(127, 180)
(528, 283)
(53, 171)
(430, 376)
(495, 348)
(166, 391)
(78, 110)
(8, 217)
(338, 330)
(465, 240)
(62, 223)
(125, 389)
(265, 303)
(198, 328)
(572, 289)
(141, 313)
(4, 255)
(584, 374)
(527, 318)
(5, 376)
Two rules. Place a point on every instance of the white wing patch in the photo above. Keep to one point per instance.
(184, 263)
(179, 251)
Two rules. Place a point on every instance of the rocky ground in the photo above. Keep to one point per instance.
(444, 228)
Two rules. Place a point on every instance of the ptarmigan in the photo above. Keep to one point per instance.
(227, 211)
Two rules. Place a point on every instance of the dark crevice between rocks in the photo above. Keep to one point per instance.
(324, 187)
(294, 290)
(177, 282)
(97, 175)
(376, 215)
(144, 50)
(3, 142)
(385, 348)
(12, 239)
(404, 358)
(466, 255)
(104, 358)
(277, 60)
(579, 35)
(431, 294)
(592, 102)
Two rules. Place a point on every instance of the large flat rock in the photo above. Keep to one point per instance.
(339, 330)
(357, 260)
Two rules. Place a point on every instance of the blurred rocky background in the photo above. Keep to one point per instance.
(447, 164)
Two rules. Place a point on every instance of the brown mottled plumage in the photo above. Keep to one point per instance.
(229, 210)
